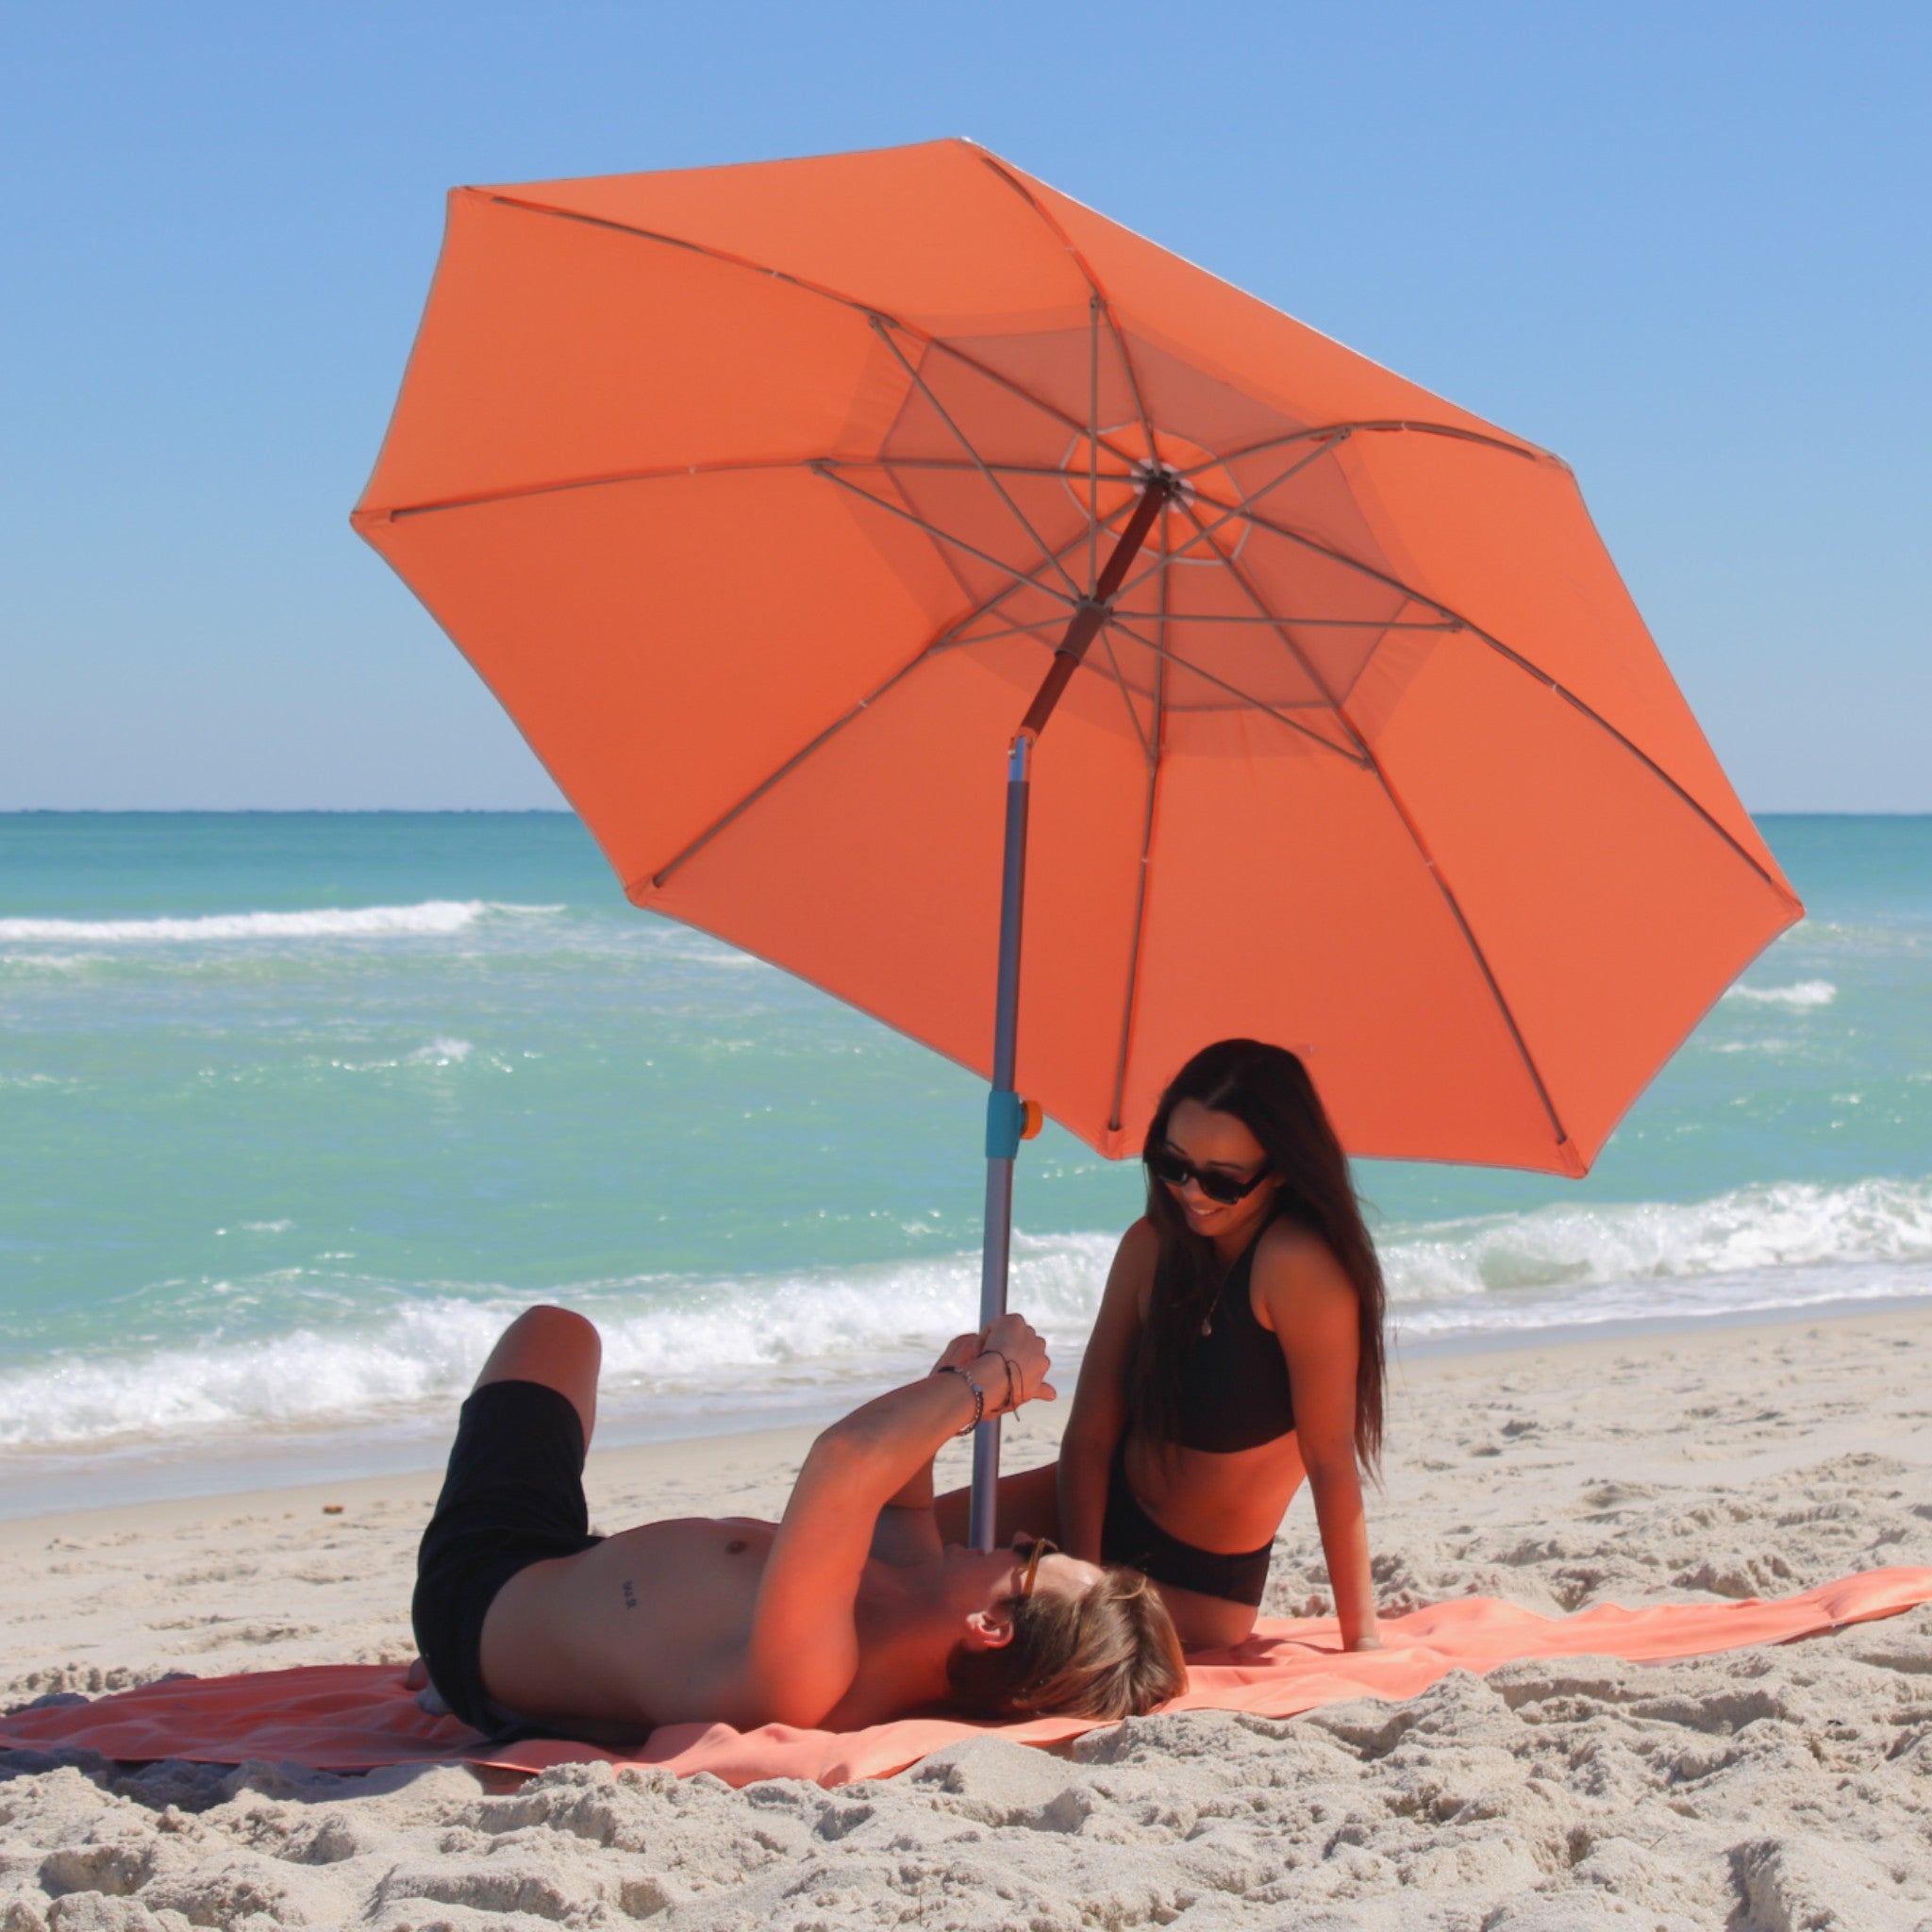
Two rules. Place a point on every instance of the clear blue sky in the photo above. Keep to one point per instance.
(1687, 246)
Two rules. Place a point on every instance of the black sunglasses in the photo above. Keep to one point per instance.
(1224, 1188)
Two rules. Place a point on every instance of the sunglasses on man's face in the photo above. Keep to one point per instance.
(1040, 1548)
(1165, 1165)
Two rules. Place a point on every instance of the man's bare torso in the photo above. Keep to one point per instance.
(649, 1627)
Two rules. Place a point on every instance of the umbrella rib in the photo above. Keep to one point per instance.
(1343, 558)
(1093, 442)
(1294, 650)
(1125, 458)
(925, 388)
(1530, 668)
(1247, 503)
(1096, 294)
(948, 640)
(718, 255)
(806, 287)
(1388, 426)
(1422, 851)
(954, 641)
(1132, 989)
(829, 471)
(1636, 751)
(662, 473)
(1167, 654)
(1316, 623)
(1126, 697)
(955, 468)
(654, 881)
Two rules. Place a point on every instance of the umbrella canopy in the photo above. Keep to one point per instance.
(761, 497)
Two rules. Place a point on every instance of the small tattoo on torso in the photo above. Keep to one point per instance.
(630, 1594)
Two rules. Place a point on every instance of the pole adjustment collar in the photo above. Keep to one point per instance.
(1009, 1120)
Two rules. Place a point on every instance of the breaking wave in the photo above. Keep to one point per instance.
(697, 1344)
(430, 919)
(1807, 992)
(1756, 1249)
(713, 1352)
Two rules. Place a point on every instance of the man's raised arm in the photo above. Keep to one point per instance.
(803, 1651)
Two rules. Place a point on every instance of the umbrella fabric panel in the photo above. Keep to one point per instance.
(1508, 546)
(1252, 347)
(1582, 878)
(556, 351)
(665, 648)
(831, 872)
(930, 235)
(1288, 901)
(762, 495)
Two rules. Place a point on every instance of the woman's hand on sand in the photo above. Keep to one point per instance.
(1015, 1343)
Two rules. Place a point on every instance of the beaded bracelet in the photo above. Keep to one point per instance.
(978, 1396)
(1013, 1400)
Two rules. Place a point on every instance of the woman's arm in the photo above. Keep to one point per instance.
(1100, 1409)
(1309, 1302)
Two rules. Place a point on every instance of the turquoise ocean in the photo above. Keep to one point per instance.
(296, 1109)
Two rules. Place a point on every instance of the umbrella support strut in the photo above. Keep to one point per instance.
(1006, 1112)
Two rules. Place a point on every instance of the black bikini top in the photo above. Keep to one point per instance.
(1235, 1391)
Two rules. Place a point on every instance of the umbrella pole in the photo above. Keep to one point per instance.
(1004, 1122)
(1006, 1112)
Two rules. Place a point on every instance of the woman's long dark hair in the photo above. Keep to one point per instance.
(1268, 1090)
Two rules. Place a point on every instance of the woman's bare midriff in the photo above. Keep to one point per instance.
(1228, 1501)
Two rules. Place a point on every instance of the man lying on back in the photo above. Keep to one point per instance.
(848, 1612)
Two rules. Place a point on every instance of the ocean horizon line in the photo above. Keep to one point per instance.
(565, 812)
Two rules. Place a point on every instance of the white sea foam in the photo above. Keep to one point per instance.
(680, 1338)
(49, 963)
(443, 1051)
(430, 919)
(1753, 1251)
(446, 1050)
(1757, 1231)
(1807, 992)
(705, 1346)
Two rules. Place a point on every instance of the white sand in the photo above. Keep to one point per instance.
(1762, 1791)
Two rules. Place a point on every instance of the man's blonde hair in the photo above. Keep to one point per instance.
(1109, 1651)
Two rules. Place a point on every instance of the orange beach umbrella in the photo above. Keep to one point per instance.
(769, 500)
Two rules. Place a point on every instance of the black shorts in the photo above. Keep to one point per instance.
(513, 1496)
(1128, 1534)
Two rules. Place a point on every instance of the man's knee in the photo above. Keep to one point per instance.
(554, 1346)
(555, 1328)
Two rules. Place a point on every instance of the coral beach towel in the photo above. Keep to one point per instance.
(352, 1717)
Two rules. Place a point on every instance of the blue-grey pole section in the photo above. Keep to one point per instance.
(1003, 1118)
(1004, 1112)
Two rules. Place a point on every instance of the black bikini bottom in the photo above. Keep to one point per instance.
(1128, 1534)
(514, 1496)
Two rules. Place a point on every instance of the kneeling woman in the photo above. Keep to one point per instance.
(1238, 1349)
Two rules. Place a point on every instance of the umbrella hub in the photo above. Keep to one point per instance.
(1110, 474)
(1170, 475)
